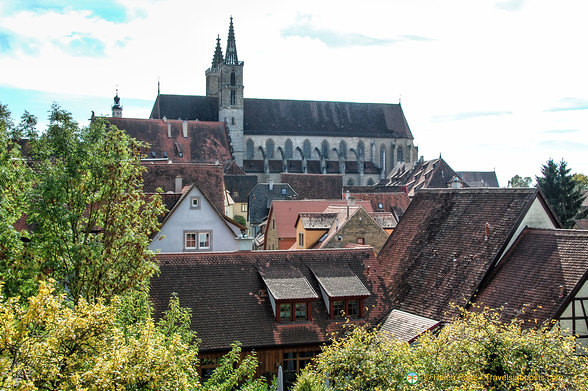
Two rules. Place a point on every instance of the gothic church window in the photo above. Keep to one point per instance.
(325, 149)
(343, 150)
(306, 149)
(399, 154)
(361, 150)
(233, 98)
(233, 79)
(269, 148)
(249, 152)
(289, 149)
(383, 157)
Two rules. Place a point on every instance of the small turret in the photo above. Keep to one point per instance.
(217, 59)
(117, 108)
(231, 54)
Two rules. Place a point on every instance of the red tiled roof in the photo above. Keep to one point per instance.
(286, 212)
(208, 177)
(538, 274)
(396, 203)
(206, 142)
(230, 302)
(438, 252)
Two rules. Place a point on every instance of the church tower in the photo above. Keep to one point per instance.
(117, 107)
(229, 90)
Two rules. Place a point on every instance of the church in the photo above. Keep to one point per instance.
(363, 142)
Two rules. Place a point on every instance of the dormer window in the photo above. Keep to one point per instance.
(291, 297)
(342, 291)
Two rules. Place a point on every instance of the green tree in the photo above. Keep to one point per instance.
(518, 181)
(474, 352)
(241, 220)
(15, 184)
(581, 181)
(92, 220)
(562, 192)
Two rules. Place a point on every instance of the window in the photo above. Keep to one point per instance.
(194, 202)
(289, 149)
(399, 154)
(300, 311)
(190, 240)
(195, 240)
(235, 193)
(325, 149)
(347, 307)
(360, 241)
(204, 240)
(249, 152)
(301, 239)
(343, 150)
(353, 308)
(284, 191)
(233, 98)
(233, 79)
(269, 148)
(306, 149)
(243, 207)
(293, 363)
(286, 312)
(361, 150)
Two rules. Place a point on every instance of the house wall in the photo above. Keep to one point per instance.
(576, 314)
(360, 225)
(311, 236)
(271, 234)
(536, 217)
(171, 236)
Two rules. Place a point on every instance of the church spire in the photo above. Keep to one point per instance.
(231, 54)
(217, 59)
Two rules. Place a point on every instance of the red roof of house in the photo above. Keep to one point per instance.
(230, 300)
(286, 212)
(538, 275)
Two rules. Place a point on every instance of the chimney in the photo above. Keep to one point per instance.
(185, 129)
(271, 185)
(168, 129)
(178, 187)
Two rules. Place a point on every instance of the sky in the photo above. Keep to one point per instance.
(488, 84)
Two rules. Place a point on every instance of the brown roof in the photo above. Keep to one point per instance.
(286, 212)
(206, 142)
(431, 174)
(538, 275)
(230, 302)
(208, 178)
(298, 118)
(385, 202)
(314, 186)
(407, 327)
(439, 254)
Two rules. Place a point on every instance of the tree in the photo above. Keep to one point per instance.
(15, 183)
(581, 181)
(518, 181)
(562, 192)
(92, 220)
(474, 352)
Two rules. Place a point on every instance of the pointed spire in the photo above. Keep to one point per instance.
(231, 54)
(217, 59)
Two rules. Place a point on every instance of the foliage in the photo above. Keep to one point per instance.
(561, 191)
(581, 181)
(92, 220)
(15, 183)
(241, 220)
(518, 181)
(48, 344)
(475, 352)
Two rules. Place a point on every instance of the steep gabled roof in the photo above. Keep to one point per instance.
(231, 302)
(479, 178)
(396, 202)
(208, 177)
(430, 174)
(205, 142)
(314, 186)
(539, 275)
(240, 186)
(441, 250)
(294, 117)
(286, 212)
